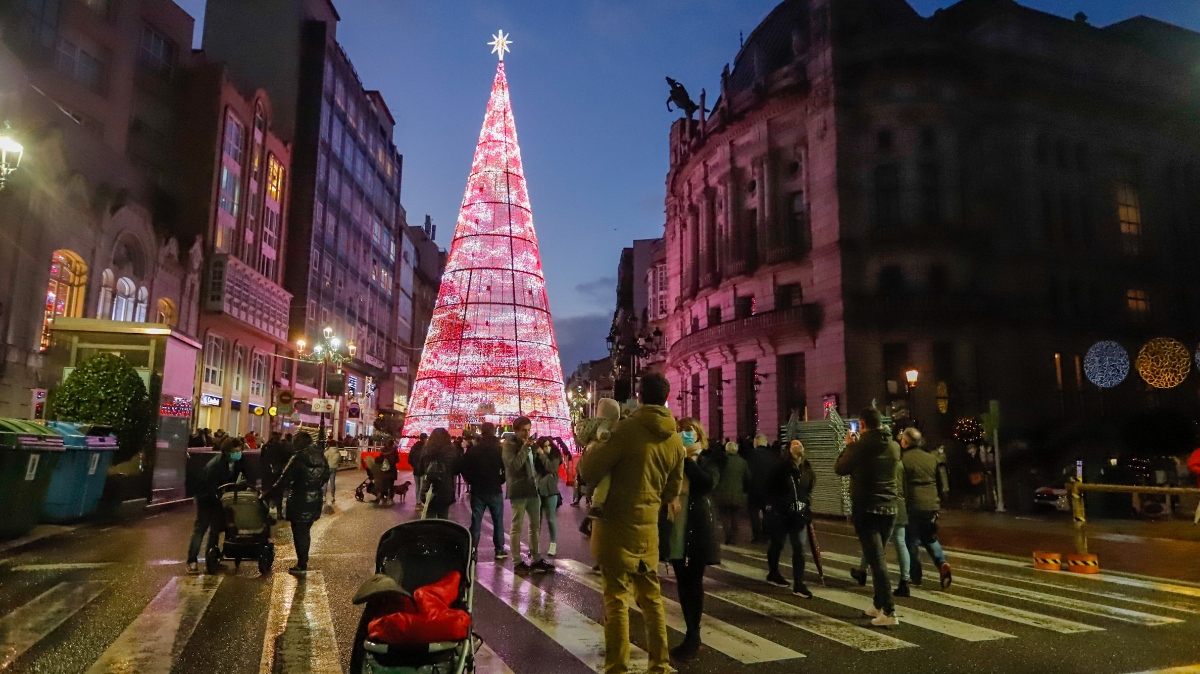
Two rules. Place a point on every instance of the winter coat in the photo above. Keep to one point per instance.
(791, 484)
(483, 468)
(303, 476)
(219, 471)
(274, 456)
(1193, 465)
(921, 477)
(901, 497)
(871, 462)
(414, 457)
(761, 463)
(644, 461)
(520, 476)
(439, 462)
(695, 533)
(547, 472)
(735, 481)
(333, 457)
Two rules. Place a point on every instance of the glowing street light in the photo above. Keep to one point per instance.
(911, 376)
(325, 352)
(10, 154)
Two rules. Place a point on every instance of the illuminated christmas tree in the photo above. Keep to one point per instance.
(490, 353)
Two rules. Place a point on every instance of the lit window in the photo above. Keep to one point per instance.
(274, 179)
(166, 312)
(258, 375)
(142, 305)
(158, 53)
(124, 301)
(214, 360)
(231, 190)
(1129, 214)
(1138, 302)
(64, 296)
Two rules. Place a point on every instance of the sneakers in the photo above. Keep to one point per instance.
(775, 578)
(885, 620)
(901, 590)
(501, 554)
(801, 590)
(553, 551)
(522, 567)
(596, 570)
(944, 570)
(859, 575)
(871, 612)
(542, 566)
(298, 570)
(193, 568)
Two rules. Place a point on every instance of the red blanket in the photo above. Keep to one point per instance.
(431, 620)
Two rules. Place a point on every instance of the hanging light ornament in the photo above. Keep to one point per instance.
(1106, 364)
(968, 430)
(1164, 362)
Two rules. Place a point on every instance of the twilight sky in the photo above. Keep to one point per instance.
(588, 94)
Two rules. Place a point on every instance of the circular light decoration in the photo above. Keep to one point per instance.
(1164, 362)
(1106, 364)
(968, 430)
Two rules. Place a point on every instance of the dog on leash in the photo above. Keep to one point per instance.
(402, 490)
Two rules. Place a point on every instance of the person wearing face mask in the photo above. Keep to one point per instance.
(690, 537)
(788, 512)
(225, 468)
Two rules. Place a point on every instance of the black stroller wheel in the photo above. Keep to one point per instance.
(212, 560)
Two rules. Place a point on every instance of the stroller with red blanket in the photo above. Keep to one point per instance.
(423, 623)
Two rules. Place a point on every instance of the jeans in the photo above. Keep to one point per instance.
(643, 585)
(873, 531)
(755, 505)
(729, 513)
(922, 530)
(333, 484)
(521, 508)
(902, 538)
(210, 519)
(302, 537)
(550, 513)
(495, 505)
(689, 581)
(780, 532)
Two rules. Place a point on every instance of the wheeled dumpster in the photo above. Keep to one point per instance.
(82, 470)
(29, 453)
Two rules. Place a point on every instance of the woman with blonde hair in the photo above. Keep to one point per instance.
(691, 536)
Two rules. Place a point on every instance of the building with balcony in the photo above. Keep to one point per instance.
(635, 338)
(979, 196)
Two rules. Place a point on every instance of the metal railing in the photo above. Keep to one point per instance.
(1076, 487)
(766, 323)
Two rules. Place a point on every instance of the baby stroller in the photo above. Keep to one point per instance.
(415, 554)
(247, 527)
(367, 487)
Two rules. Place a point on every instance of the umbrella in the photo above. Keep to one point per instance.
(816, 551)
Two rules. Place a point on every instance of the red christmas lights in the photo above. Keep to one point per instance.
(490, 354)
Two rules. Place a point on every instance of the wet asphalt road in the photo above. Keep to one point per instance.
(118, 599)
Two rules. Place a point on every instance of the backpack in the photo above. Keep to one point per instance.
(435, 471)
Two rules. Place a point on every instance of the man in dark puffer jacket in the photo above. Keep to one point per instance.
(303, 476)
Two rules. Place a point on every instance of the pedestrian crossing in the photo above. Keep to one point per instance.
(746, 622)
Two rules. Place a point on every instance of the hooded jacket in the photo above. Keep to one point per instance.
(644, 457)
(871, 463)
(483, 468)
(695, 534)
(303, 476)
(735, 481)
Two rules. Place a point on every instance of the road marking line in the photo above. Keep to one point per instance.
(488, 662)
(929, 621)
(735, 642)
(1128, 580)
(1103, 610)
(1009, 613)
(31, 622)
(68, 566)
(153, 641)
(578, 634)
(299, 636)
(1186, 669)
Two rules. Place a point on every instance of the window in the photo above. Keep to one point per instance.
(158, 53)
(714, 316)
(1137, 302)
(166, 312)
(799, 233)
(142, 305)
(239, 369)
(270, 244)
(887, 196)
(1129, 214)
(233, 139)
(79, 65)
(214, 360)
(64, 294)
(743, 307)
(123, 301)
(788, 296)
(230, 197)
(931, 193)
(274, 179)
(104, 306)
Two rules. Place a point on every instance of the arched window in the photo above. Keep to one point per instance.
(104, 306)
(166, 312)
(65, 291)
(143, 302)
(123, 300)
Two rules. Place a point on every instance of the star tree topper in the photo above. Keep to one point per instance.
(499, 43)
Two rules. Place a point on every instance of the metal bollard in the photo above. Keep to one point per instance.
(1077, 512)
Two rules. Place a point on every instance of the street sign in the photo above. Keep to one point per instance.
(285, 401)
(322, 405)
(354, 411)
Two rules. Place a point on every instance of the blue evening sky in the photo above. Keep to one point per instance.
(589, 97)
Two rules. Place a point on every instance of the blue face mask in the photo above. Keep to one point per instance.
(236, 456)
(689, 438)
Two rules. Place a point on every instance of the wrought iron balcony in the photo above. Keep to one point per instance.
(802, 319)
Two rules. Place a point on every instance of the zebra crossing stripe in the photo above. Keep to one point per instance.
(929, 621)
(578, 634)
(153, 641)
(1186, 669)
(299, 636)
(1128, 580)
(31, 622)
(76, 566)
(735, 642)
(488, 662)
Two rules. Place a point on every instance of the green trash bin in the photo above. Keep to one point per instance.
(78, 481)
(29, 453)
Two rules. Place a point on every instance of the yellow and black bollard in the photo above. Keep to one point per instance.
(1081, 561)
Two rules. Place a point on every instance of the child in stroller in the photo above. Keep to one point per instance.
(416, 557)
(247, 527)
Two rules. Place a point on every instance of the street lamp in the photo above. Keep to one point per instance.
(327, 351)
(910, 376)
(10, 154)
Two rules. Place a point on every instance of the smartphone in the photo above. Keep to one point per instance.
(854, 427)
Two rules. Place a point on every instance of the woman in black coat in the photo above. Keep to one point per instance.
(303, 477)
(440, 460)
(788, 512)
(690, 535)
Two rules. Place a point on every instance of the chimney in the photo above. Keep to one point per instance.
(428, 224)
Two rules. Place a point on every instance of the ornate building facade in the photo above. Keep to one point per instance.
(977, 196)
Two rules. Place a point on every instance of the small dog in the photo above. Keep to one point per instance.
(402, 490)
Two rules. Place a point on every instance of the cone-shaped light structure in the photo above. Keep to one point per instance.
(490, 354)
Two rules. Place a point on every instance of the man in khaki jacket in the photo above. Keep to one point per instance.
(644, 457)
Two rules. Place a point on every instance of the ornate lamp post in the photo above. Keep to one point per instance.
(326, 351)
(10, 154)
(910, 376)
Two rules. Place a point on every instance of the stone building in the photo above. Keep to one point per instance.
(978, 196)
